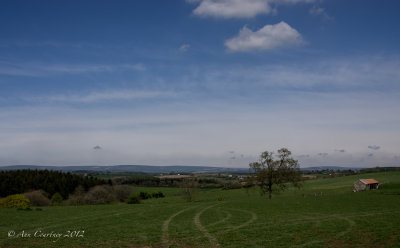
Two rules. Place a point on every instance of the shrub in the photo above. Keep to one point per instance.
(144, 195)
(122, 192)
(37, 198)
(56, 199)
(24, 209)
(15, 201)
(232, 186)
(134, 199)
(158, 195)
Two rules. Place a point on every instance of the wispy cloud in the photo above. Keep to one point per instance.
(184, 47)
(41, 69)
(318, 11)
(198, 133)
(101, 96)
(267, 38)
(331, 75)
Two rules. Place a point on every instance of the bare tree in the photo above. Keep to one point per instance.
(272, 174)
(189, 189)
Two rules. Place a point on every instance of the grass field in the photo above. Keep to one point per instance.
(336, 217)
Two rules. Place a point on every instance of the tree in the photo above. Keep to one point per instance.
(56, 199)
(37, 198)
(272, 174)
(189, 189)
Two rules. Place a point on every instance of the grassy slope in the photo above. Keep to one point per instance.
(295, 218)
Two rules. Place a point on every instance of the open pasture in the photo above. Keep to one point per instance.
(324, 213)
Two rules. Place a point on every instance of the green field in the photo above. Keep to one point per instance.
(324, 213)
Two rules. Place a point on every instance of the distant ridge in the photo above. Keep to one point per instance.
(319, 168)
(151, 169)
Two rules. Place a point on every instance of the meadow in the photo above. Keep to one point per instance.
(323, 213)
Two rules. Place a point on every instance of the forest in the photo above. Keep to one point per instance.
(20, 181)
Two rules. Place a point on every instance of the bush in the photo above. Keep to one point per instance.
(24, 209)
(15, 201)
(232, 186)
(158, 195)
(37, 198)
(134, 199)
(99, 195)
(56, 199)
(144, 195)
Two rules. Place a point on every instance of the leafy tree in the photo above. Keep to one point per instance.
(273, 173)
(56, 199)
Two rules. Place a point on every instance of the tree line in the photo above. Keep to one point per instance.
(20, 181)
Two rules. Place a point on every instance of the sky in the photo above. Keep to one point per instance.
(199, 82)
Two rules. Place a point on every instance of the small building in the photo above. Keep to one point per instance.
(365, 184)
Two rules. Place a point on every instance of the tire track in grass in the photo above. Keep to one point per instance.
(165, 226)
(211, 238)
(227, 217)
(351, 224)
(253, 218)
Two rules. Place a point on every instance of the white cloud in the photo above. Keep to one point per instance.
(238, 8)
(267, 38)
(232, 8)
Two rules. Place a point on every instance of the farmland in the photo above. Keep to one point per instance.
(324, 213)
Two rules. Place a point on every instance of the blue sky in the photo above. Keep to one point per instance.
(199, 82)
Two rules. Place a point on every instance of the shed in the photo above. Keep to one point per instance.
(365, 184)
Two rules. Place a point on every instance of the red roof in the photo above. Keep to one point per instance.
(369, 181)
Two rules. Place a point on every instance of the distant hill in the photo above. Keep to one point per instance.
(151, 169)
(319, 168)
(132, 168)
